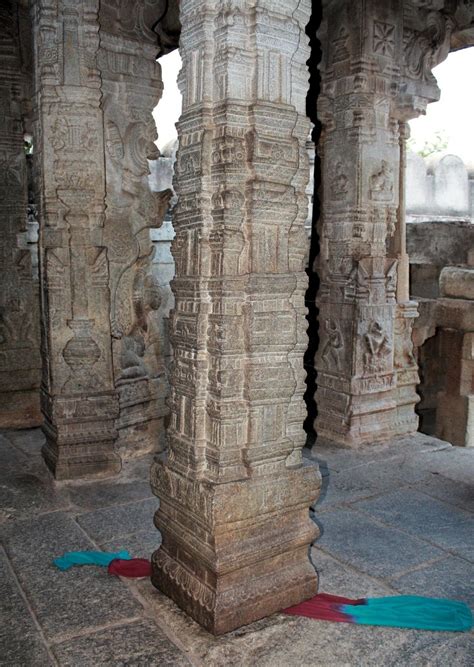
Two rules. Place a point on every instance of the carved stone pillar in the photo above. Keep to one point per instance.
(79, 400)
(234, 491)
(375, 75)
(357, 296)
(20, 362)
(131, 85)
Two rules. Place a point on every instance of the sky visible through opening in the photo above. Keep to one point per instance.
(451, 118)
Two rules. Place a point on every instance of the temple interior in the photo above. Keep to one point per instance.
(244, 352)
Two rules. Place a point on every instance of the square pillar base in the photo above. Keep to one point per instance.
(234, 553)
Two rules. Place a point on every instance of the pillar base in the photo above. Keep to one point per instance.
(236, 552)
(78, 448)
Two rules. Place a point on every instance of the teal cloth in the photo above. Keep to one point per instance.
(412, 611)
(103, 558)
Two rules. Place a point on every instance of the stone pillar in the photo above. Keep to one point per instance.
(375, 75)
(20, 362)
(131, 85)
(234, 491)
(406, 367)
(357, 296)
(79, 400)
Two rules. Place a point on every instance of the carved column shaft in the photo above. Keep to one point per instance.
(131, 85)
(78, 395)
(234, 483)
(356, 379)
(20, 363)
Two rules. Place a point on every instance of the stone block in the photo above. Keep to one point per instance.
(432, 520)
(375, 549)
(20, 640)
(137, 643)
(457, 282)
(110, 523)
(77, 601)
(446, 578)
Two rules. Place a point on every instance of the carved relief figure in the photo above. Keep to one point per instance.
(339, 183)
(381, 183)
(377, 347)
(146, 298)
(334, 344)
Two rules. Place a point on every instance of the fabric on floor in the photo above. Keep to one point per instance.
(102, 558)
(133, 568)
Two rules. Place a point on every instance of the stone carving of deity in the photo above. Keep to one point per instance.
(381, 183)
(333, 345)
(377, 347)
(146, 299)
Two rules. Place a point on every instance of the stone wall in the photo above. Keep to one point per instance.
(439, 188)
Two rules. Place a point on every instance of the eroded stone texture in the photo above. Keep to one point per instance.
(376, 75)
(234, 493)
(131, 85)
(79, 400)
(20, 363)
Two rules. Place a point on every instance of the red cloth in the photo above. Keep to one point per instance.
(135, 567)
(324, 607)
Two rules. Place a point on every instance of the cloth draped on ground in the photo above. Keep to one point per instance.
(133, 568)
(102, 558)
(399, 611)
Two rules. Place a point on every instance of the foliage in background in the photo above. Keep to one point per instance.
(437, 144)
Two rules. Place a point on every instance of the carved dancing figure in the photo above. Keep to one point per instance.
(333, 345)
(381, 183)
(146, 299)
(378, 347)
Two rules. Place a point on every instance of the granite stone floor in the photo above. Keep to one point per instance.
(394, 518)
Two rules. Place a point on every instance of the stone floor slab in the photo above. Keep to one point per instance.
(95, 496)
(288, 641)
(456, 463)
(140, 544)
(29, 441)
(366, 481)
(338, 458)
(452, 492)
(111, 523)
(450, 577)
(136, 644)
(25, 493)
(439, 523)
(20, 640)
(339, 579)
(377, 550)
(77, 600)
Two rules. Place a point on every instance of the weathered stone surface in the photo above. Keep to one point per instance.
(139, 643)
(128, 46)
(140, 544)
(78, 394)
(457, 282)
(424, 517)
(369, 546)
(20, 363)
(339, 579)
(78, 600)
(456, 493)
(20, 640)
(113, 522)
(98, 496)
(286, 640)
(25, 493)
(69, 598)
(444, 579)
(234, 482)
